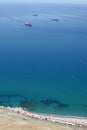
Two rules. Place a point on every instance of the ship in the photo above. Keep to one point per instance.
(28, 24)
(55, 19)
(34, 14)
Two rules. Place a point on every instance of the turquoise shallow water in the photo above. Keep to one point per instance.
(48, 62)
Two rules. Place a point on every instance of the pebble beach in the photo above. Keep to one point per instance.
(18, 118)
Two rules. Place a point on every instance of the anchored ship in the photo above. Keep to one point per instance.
(55, 19)
(28, 24)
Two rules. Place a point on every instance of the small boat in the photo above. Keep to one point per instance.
(34, 14)
(55, 19)
(28, 24)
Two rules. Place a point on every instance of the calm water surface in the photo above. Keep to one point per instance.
(47, 62)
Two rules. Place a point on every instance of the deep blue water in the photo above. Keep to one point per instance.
(48, 60)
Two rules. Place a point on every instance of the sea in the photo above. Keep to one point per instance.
(44, 65)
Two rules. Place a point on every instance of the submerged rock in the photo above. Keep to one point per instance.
(62, 105)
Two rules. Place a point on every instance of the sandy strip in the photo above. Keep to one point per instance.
(17, 118)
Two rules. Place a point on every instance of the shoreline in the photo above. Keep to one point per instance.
(65, 120)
